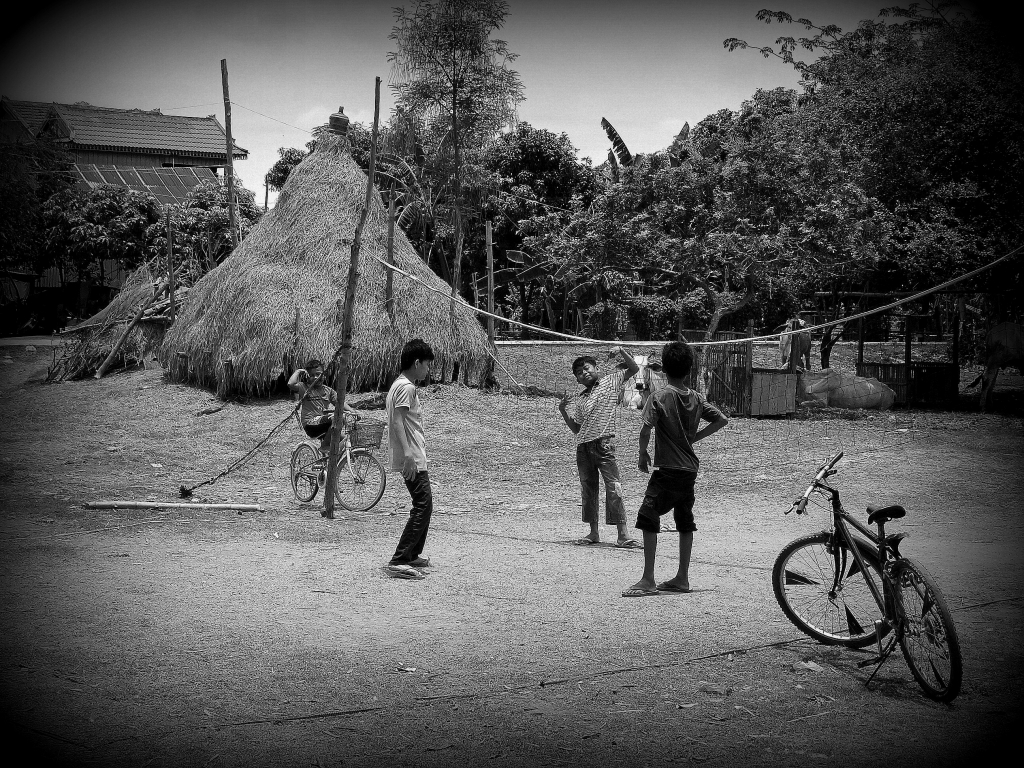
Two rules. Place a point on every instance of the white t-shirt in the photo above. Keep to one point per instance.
(403, 394)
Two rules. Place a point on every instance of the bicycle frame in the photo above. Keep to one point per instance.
(841, 523)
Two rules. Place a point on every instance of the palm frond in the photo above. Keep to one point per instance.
(621, 150)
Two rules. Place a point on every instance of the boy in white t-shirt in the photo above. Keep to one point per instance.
(409, 457)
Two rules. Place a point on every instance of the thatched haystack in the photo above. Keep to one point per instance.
(278, 299)
(86, 349)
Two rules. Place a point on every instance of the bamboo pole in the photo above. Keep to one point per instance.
(345, 350)
(167, 505)
(229, 167)
(170, 263)
(124, 336)
(490, 284)
(389, 288)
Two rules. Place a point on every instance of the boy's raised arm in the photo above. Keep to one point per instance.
(631, 367)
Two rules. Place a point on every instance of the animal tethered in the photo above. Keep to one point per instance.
(1004, 346)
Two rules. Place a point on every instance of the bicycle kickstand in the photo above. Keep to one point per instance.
(883, 653)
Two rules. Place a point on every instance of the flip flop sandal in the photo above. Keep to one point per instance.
(629, 544)
(585, 542)
(638, 592)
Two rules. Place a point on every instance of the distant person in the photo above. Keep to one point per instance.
(593, 421)
(409, 457)
(675, 413)
(318, 402)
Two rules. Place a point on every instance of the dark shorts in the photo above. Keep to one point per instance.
(317, 430)
(668, 489)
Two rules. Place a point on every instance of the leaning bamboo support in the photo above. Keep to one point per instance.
(168, 505)
(344, 356)
(124, 336)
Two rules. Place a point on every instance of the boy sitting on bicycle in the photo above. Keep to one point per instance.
(675, 412)
(317, 402)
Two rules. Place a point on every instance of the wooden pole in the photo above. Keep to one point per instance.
(860, 345)
(389, 288)
(167, 505)
(906, 356)
(124, 335)
(748, 403)
(170, 263)
(266, 193)
(345, 351)
(229, 167)
(490, 284)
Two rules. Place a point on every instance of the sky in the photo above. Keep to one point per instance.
(647, 66)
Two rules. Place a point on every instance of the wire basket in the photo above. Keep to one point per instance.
(366, 434)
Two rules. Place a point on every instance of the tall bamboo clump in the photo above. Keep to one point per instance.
(277, 300)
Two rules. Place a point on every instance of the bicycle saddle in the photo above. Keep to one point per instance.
(879, 514)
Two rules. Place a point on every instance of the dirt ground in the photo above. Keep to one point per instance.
(218, 638)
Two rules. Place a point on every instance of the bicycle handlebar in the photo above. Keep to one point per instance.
(826, 469)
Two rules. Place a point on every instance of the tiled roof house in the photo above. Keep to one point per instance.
(166, 155)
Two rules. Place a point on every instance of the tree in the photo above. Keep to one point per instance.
(288, 158)
(202, 228)
(82, 228)
(926, 105)
(453, 78)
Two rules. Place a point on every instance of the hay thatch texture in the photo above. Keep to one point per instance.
(278, 299)
(86, 350)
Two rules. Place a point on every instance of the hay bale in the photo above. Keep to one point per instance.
(276, 301)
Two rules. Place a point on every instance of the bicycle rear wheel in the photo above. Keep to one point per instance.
(361, 484)
(304, 471)
(822, 590)
(928, 638)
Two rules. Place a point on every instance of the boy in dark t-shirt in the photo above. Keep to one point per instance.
(675, 413)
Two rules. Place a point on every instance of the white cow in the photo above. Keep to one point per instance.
(639, 387)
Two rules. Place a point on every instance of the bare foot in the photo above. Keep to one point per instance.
(674, 585)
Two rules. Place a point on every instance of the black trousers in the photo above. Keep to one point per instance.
(415, 534)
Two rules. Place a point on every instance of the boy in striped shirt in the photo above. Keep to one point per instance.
(593, 421)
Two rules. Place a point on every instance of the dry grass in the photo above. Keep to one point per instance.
(87, 350)
(277, 300)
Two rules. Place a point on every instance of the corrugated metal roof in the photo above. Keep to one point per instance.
(105, 127)
(167, 185)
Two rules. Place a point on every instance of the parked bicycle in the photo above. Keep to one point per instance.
(361, 476)
(844, 590)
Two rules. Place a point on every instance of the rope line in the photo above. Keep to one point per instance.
(766, 337)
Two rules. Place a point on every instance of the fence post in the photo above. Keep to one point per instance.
(749, 387)
(906, 356)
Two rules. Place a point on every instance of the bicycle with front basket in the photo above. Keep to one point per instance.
(361, 476)
(842, 589)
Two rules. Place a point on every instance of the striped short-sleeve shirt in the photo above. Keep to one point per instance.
(595, 410)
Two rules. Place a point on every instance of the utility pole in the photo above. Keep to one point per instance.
(229, 168)
(344, 356)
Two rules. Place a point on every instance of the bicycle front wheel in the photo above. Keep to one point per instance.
(304, 470)
(928, 638)
(361, 482)
(822, 590)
